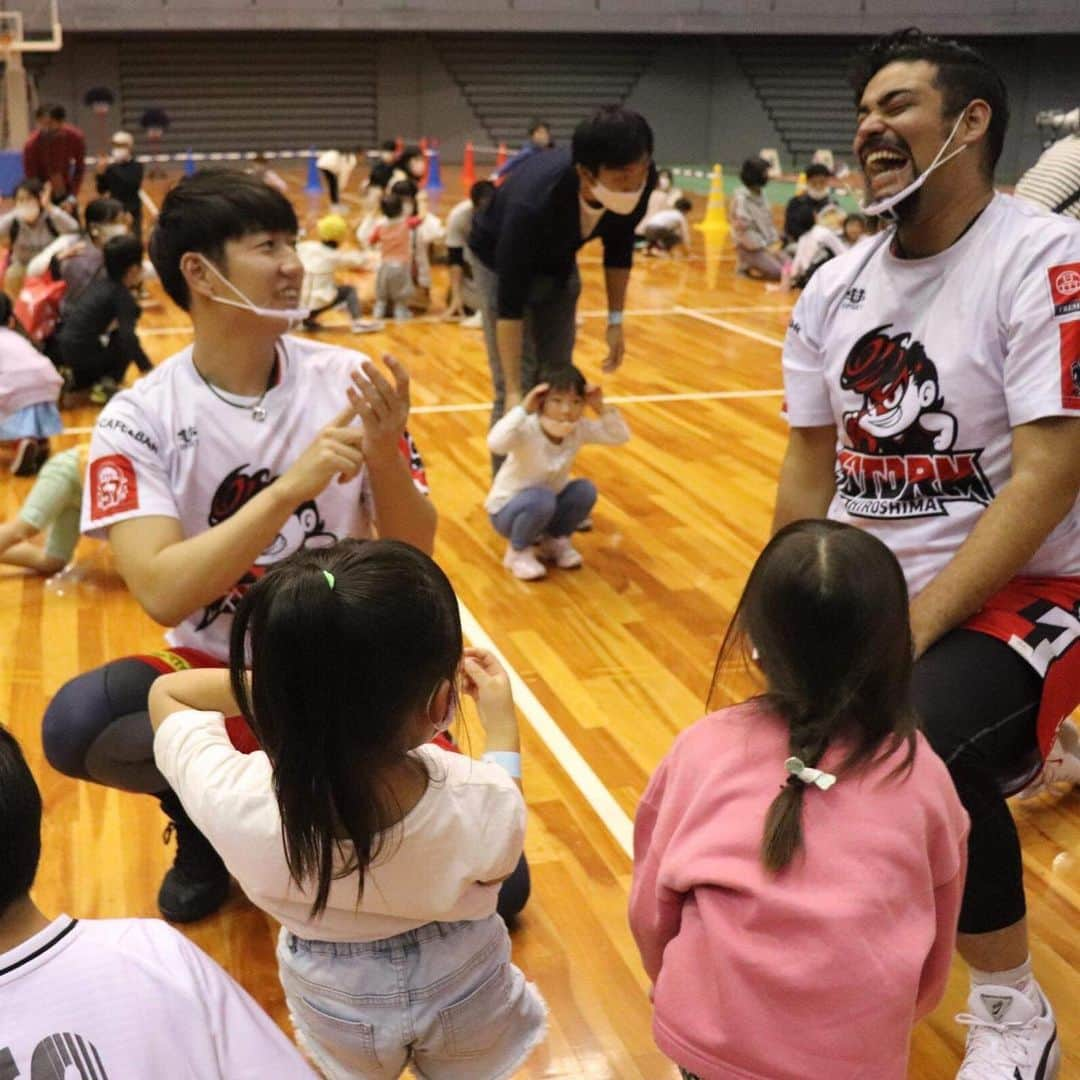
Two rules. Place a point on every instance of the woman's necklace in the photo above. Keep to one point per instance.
(258, 412)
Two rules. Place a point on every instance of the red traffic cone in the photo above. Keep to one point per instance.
(500, 157)
(468, 168)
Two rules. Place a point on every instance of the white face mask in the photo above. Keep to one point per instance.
(618, 202)
(106, 232)
(885, 206)
(557, 429)
(285, 315)
(28, 212)
(664, 184)
(121, 154)
(451, 712)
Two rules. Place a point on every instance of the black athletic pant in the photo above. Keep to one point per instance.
(97, 728)
(331, 183)
(978, 701)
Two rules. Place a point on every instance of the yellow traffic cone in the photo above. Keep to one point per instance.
(715, 211)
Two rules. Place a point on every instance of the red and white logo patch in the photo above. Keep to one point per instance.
(114, 488)
(1065, 289)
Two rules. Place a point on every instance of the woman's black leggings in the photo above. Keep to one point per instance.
(331, 183)
(97, 728)
(978, 701)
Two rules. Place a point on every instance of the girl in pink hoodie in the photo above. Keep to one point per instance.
(802, 933)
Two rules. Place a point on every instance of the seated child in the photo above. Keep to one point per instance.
(54, 503)
(533, 502)
(78, 259)
(803, 933)
(668, 230)
(393, 237)
(831, 236)
(29, 229)
(97, 339)
(380, 853)
(29, 389)
(322, 259)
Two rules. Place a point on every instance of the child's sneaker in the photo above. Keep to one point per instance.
(524, 564)
(1009, 1037)
(380, 309)
(367, 326)
(560, 551)
(1061, 771)
(103, 390)
(402, 312)
(475, 321)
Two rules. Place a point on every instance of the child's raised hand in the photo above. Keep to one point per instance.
(594, 397)
(535, 397)
(484, 679)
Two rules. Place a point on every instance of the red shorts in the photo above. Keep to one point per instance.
(1040, 619)
(240, 734)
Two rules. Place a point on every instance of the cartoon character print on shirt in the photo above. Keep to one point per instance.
(304, 528)
(901, 460)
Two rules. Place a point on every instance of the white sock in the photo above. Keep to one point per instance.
(1018, 978)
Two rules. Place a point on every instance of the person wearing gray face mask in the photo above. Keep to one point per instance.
(526, 240)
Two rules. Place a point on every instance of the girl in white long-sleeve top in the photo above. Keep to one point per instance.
(533, 502)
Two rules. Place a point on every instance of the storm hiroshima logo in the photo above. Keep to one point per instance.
(901, 461)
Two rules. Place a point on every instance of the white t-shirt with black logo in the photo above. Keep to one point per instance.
(131, 999)
(169, 447)
(926, 365)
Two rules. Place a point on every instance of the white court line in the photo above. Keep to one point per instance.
(725, 325)
(554, 738)
(634, 313)
(628, 399)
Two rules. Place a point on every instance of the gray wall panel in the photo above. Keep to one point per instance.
(702, 106)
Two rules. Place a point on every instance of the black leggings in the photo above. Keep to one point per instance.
(331, 183)
(978, 701)
(97, 728)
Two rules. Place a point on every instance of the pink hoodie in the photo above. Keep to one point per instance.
(823, 969)
(26, 376)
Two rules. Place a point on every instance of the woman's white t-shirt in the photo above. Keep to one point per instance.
(925, 366)
(467, 828)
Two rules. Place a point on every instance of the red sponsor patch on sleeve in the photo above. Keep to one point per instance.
(1070, 363)
(114, 488)
(1065, 289)
(411, 454)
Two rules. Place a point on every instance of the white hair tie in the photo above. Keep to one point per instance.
(807, 775)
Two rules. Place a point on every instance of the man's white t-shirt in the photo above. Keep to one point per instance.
(131, 999)
(169, 447)
(925, 366)
(468, 828)
(459, 224)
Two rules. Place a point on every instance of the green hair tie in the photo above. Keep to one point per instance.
(329, 578)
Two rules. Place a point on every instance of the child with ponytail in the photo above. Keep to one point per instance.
(380, 853)
(802, 932)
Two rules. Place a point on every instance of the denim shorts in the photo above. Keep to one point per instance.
(443, 999)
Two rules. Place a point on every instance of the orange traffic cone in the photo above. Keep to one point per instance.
(468, 168)
(500, 157)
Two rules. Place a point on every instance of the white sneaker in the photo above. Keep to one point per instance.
(524, 564)
(367, 326)
(1061, 770)
(474, 322)
(1009, 1037)
(560, 551)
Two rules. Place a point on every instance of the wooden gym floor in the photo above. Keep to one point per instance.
(616, 657)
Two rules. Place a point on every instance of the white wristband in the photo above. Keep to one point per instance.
(505, 759)
(614, 318)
